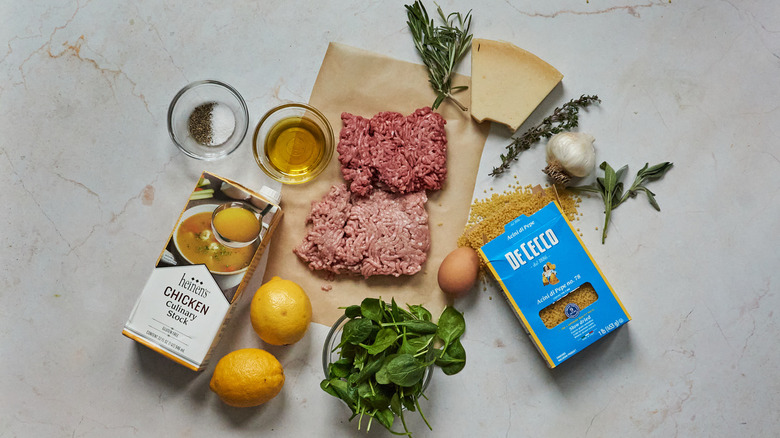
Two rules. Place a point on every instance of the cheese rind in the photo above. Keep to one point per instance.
(507, 82)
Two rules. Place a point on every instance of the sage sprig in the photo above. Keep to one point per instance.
(440, 47)
(563, 118)
(610, 187)
(384, 352)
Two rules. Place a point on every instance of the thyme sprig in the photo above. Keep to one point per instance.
(441, 48)
(563, 118)
(610, 187)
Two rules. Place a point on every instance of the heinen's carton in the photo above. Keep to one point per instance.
(200, 274)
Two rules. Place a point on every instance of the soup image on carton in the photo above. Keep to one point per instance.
(197, 243)
(212, 252)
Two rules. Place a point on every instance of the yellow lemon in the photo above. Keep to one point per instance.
(280, 312)
(247, 377)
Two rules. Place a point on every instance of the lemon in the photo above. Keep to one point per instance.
(247, 377)
(280, 312)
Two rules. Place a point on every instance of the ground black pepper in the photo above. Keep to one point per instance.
(200, 123)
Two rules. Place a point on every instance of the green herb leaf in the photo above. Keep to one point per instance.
(564, 118)
(440, 47)
(610, 187)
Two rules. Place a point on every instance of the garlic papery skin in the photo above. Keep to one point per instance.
(570, 155)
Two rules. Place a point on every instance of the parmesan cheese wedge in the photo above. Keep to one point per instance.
(507, 82)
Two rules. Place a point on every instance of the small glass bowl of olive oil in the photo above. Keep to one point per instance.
(293, 143)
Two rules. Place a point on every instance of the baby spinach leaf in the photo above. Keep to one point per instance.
(356, 330)
(381, 375)
(413, 345)
(416, 326)
(453, 360)
(384, 338)
(361, 355)
(347, 351)
(385, 417)
(451, 325)
(405, 370)
(402, 314)
(352, 311)
(395, 311)
(327, 387)
(340, 389)
(371, 309)
(340, 368)
(420, 312)
(380, 398)
(409, 403)
(383, 357)
(364, 390)
(372, 366)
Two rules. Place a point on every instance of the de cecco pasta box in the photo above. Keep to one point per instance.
(553, 284)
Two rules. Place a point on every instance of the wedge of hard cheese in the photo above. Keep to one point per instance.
(507, 82)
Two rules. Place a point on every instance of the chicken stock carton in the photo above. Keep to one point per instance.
(552, 283)
(192, 292)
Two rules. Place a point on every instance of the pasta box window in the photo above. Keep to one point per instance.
(553, 284)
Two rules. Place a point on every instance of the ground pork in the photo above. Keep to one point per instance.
(379, 234)
(396, 153)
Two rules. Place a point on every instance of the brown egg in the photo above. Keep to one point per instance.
(458, 272)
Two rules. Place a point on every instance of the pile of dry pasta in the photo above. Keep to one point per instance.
(488, 216)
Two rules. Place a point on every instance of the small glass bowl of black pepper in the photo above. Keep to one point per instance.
(208, 120)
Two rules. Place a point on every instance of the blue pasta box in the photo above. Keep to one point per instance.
(553, 284)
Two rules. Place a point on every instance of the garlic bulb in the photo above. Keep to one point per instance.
(569, 155)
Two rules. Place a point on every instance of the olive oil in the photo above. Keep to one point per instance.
(295, 146)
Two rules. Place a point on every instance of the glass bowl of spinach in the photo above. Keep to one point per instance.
(379, 358)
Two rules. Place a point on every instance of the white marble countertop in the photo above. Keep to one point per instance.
(92, 184)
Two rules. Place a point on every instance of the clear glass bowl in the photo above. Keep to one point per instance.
(293, 143)
(194, 96)
(333, 339)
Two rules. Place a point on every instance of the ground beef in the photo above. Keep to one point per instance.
(379, 234)
(396, 153)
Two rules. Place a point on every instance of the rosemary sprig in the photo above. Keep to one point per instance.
(441, 48)
(610, 187)
(564, 118)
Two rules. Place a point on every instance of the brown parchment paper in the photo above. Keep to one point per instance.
(364, 83)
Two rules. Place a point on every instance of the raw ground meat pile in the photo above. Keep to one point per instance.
(376, 224)
(382, 234)
(396, 153)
